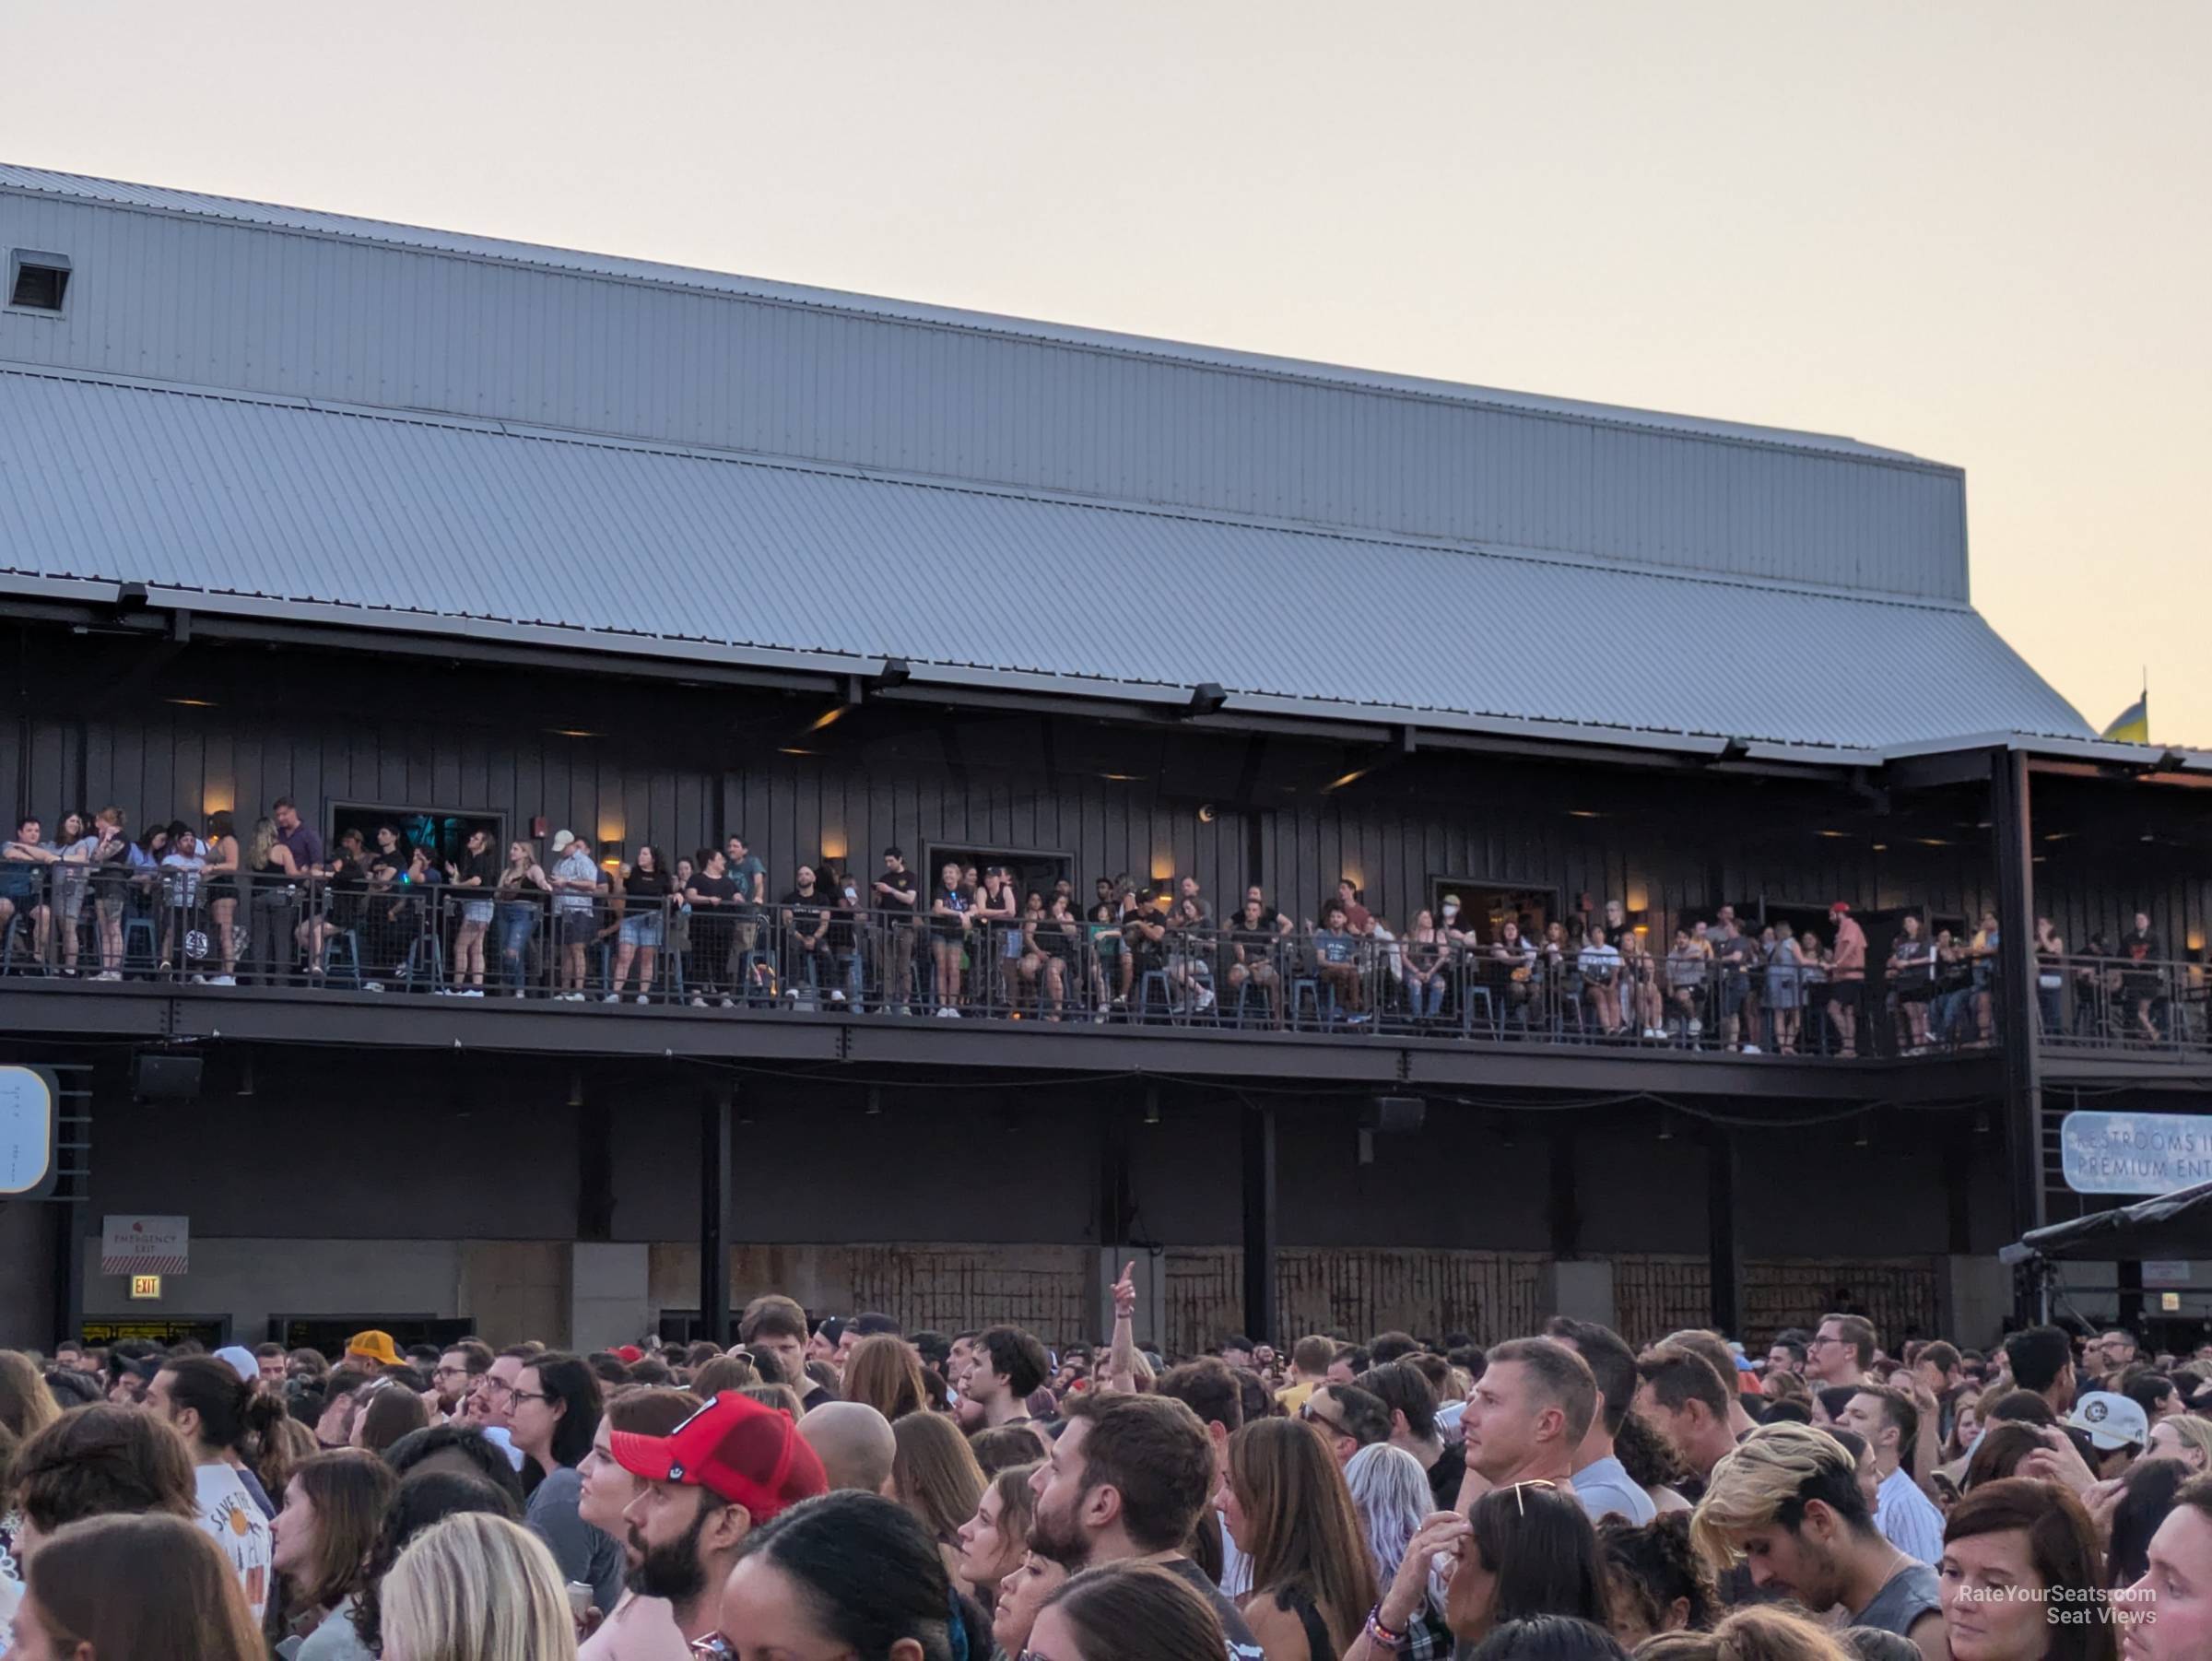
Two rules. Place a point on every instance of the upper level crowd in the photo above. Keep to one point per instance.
(833, 1487)
(380, 911)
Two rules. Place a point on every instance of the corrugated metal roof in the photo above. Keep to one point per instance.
(598, 542)
(310, 222)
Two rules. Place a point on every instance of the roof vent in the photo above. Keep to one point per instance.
(37, 282)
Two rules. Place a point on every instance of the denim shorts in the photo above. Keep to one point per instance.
(642, 930)
(478, 911)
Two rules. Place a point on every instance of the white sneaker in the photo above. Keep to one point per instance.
(836, 996)
(372, 985)
(697, 1002)
(518, 992)
(199, 980)
(949, 1013)
(474, 992)
(1206, 999)
(1750, 1049)
(224, 980)
(1696, 1026)
(643, 998)
(107, 974)
(612, 997)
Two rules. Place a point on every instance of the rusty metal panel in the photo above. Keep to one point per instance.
(1898, 1294)
(1658, 1293)
(952, 1288)
(1359, 1292)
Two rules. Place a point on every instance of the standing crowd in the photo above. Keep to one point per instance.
(381, 911)
(833, 1486)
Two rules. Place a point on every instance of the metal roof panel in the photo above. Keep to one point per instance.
(396, 517)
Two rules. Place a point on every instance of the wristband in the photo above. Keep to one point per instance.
(1396, 1643)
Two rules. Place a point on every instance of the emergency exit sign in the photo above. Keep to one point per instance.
(146, 1287)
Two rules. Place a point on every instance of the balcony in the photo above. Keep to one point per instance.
(168, 955)
(2123, 1018)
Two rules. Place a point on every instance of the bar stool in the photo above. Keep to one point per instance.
(351, 939)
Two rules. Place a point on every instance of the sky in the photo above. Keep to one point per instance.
(1979, 232)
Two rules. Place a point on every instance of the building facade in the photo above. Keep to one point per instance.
(451, 535)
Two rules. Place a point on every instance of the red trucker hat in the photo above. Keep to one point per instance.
(748, 1453)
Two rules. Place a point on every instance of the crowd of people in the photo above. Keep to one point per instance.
(834, 1486)
(381, 912)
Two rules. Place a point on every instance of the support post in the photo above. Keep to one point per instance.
(1564, 1215)
(1117, 1212)
(1723, 1244)
(717, 1118)
(2014, 994)
(1260, 1230)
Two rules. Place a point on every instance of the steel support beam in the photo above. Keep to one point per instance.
(1724, 1246)
(2012, 832)
(718, 1115)
(1261, 1236)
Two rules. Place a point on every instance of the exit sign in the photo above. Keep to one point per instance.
(146, 1286)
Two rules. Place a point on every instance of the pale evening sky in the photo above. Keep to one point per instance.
(1976, 231)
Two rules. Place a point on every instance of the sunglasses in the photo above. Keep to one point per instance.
(1521, 1504)
(1334, 1426)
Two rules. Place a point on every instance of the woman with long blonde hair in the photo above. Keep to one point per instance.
(476, 1587)
(1290, 1511)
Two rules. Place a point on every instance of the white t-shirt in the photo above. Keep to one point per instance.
(228, 1511)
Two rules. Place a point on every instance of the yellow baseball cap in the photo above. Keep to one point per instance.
(376, 1347)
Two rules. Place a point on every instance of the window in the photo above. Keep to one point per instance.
(445, 834)
(37, 282)
(1033, 873)
(1487, 906)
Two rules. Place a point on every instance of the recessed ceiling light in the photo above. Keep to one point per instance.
(193, 703)
(1584, 813)
(1881, 847)
(1931, 842)
(826, 718)
(785, 750)
(1340, 781)
(569, 732)
(1837, 834)
(1123, 778)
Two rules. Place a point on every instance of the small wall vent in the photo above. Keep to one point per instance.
(37, 282)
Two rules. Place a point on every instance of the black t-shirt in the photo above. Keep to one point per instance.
(723, 888)
(651, 887)
(807, 909)
(1242, 1645)
(904, 880)
(485, 867)
(1258, 939)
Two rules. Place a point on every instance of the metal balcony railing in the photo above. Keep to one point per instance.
(358, 935)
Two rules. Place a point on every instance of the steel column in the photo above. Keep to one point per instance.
(1723, 1242)
(717, 1119)
(1260, 1226)
(2012, 832)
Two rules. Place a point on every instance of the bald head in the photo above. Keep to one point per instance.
(855, 1444)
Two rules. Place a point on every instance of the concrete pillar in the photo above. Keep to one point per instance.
(1581, 1289)
(610, 1300)
(1976, 1297)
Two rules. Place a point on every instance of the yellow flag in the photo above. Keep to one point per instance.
(2132, 725)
